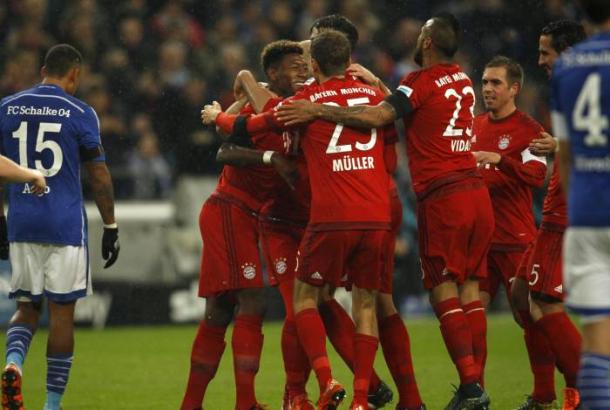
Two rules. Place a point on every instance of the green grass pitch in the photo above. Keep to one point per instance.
(147, 368)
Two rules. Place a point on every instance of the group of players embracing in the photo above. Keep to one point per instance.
(308, 176)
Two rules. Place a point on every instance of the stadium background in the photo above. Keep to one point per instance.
(150, 66)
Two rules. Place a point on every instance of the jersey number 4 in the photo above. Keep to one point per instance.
(593, 122)
(44, 127)
(333, 145)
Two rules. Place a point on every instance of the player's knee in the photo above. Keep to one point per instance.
(385, 305)
(28, 313)
(252, 302)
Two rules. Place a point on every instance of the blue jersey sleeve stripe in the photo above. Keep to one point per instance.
(560, 125)
(45, 96)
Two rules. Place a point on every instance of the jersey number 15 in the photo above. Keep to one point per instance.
(44, 127)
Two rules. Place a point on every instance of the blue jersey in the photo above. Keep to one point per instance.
(581, 113)
(45, 128)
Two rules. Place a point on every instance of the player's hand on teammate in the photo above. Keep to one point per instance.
(3, 238)
(39, 183)
(210, 112)
(286, 168)
(363, 74)
(544, 145)
(484, 158)
(110, 246)
(297, 112)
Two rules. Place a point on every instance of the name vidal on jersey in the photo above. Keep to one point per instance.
(348, 163)
(27, 189)
(460, 145)
(24, 110)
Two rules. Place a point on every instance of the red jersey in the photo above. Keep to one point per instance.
(510, 182)
(554, 209)
(347, 173)
(252, 186)
(440, 126)
(287, 204)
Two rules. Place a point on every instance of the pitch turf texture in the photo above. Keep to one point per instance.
(147, 368)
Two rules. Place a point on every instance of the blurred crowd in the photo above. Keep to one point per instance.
(151, 64)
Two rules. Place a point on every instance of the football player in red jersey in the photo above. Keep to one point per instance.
(231, 276)
(349, 214)
(551, 337)
(455, 218)
(500, 144)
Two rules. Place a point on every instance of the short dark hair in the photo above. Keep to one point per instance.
(564, 34)
(598, 11)
(61, 58)
(273, 52)
(339, 23)
(331, 50)
(445, 33)
(514, 71)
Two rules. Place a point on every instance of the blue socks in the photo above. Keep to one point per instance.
(58, 371)
(594, 381)
(18, 339)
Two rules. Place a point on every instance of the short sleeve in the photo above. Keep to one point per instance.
(89, 139)
(414, 88)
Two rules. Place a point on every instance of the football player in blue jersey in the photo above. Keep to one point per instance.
(581, 122)
(48, 129)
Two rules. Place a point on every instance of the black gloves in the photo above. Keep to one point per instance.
(110, 246)
(3, 238)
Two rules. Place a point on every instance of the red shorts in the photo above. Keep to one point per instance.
(502, 267)
(230, 257)
(455, 228)
(522, 272)
(280, 242)
(387, 273)
(544, 268)
(325, 256)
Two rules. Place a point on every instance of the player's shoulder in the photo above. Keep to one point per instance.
(414, 76)
(481, 119)
(17, 95)
(526, 121)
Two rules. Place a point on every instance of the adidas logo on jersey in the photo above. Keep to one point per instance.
(316, 275)
(559, 289)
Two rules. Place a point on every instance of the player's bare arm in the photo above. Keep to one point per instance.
(368, 77)
(257, 95)
(12, 172)
(544, 145)
(361, 116)
(232, 154)
(103, 192)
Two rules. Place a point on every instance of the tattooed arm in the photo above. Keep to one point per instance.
(103, 192)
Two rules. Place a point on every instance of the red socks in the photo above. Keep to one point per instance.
(458, 338)
(565, 341)
(207, 350)
(313, 339)
(396, 347)
(542, 359)
(247, 344)
(341, 332)
(475, 314)
(365, 348)
(296, 364)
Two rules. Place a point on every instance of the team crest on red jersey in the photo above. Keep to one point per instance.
(504, 141)
(249, 270)
(281, 266)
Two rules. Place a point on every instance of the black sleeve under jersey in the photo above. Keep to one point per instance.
(400, 102)
(240, 135)
(89, 154)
